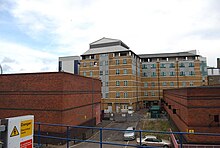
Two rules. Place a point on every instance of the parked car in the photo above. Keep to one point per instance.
(129, 134)
(154, 141)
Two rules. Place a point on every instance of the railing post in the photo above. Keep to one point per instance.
(67, 137)
(38, 135)
(181, 140)
(100, 138)
(140, 137)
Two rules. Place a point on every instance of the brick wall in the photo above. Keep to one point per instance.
(60, 98)
(195, 110)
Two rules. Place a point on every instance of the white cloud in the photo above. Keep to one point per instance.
(146, 26)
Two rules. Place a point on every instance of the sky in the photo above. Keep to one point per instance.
(34, 33)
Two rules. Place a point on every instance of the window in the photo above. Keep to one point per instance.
(117, 94)
(191, 73)
(164, 83)
(153, 66)
(182, 65)
(153, 74)
(117, 71)
(152, 93)
(125, 83)
(144, 74)
(163, 74)
(84, 73)
(101, 73)
(125, 95)
(184, 84)
(106, 62)
(145, 84)
(162, 66)
(172, 65)
(172, 73)
(117, 83)
(91, 73)
(145, 93)
(106, 72)
(125, 71)
(101, 63)
(191, 64)
(152, 84)
(84, 64)
(182, 73)
(124, 61)
(106, 83)
(106, 95)
(117, 62)
(171, 83)
(144, 66)
(91, 64)
(216, 118)
(191, 83)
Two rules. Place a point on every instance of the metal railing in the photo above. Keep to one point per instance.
(38, 135)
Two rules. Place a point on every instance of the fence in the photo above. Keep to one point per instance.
(67, 138)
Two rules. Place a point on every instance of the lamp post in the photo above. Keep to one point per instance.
(1, 69)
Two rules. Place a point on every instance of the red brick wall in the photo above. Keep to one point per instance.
(195, 109)
(60, 98)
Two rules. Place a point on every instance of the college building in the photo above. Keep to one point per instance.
(131, 81)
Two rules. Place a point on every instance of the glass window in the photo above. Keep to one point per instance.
(125, 71)
(191, 64)
(106, 95)
(184, 84)
(152, 93)
(106, 62)
(101, 63)
(182, 65)
(144, 74)
(117, 83)
(153, 66)
(117, 62)
(101, 73)
(172, 73)
(191, 83)
(145, 84)
(84, 73)
(84, 64)
(124, 61)
(152, 84)
(191, 73)
(172, 65)
(163, 74)
(117, 71)
(164, 83)
(144, 66)
(125, 95)
(106, 83)
(162, 65)
(117, 94)
(182, 73)
(145, 93)
(171, 83)
(91, 73)
(91, 64)
(125, 83)
(153, 74)
(106, 72)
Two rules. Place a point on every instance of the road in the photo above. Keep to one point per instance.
(109, 136)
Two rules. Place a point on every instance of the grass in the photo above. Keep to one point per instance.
(156, 125)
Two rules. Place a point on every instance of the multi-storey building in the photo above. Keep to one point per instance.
(214, 74)
(170, 70)
(138, 80)
(69, 64)
(119, 70)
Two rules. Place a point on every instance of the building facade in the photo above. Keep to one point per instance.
(118, 68)
(170, 70)
(69, 64)
(137, 81)
(195, 109)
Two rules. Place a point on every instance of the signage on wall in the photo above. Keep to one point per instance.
(20, 132)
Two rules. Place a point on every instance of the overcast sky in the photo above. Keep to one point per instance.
(34, 33)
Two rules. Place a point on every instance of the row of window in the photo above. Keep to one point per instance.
(171, 73)
(106, 72)
(103, 63)
(171, 65)
(146, 84)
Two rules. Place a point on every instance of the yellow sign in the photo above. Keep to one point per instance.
(14, 132)
(26, 128)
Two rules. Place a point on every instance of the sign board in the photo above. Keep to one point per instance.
(20, 132)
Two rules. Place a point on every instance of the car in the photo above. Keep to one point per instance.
(150, 140)
(129, 134)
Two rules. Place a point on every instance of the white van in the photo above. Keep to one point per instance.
(129, 135)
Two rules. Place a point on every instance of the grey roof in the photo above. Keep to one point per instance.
(176, 54)
(106, 45)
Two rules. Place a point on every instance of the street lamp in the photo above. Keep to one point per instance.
(1, 69)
